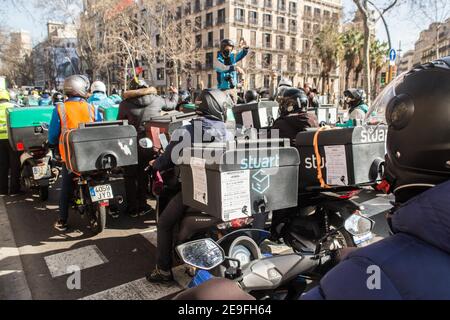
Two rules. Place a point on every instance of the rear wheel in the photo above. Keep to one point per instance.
(98, 221)
(43, 193)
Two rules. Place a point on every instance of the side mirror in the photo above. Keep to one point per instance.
(146, 143)
(358, 225)
(203, 254)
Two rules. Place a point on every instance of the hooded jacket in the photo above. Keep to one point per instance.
(139, 106)
(413, 264)
(290, 125)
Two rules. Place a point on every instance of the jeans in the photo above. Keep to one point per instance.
(168, 220)
(9, 169)
(66, 193)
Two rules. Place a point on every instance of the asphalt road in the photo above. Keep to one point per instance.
(112, 265)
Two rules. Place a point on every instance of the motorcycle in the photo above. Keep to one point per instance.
(38, 168)
(276, 276)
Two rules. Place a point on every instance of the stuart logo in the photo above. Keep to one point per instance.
(263, 163)
(126, 148)
(370, 135)
(312, 162)
(260, 182)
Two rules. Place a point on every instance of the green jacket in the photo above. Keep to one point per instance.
(3, 124)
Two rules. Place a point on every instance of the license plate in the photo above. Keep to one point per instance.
(100, 193)
(40, 172)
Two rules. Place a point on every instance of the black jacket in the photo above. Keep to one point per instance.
(139, 106)
(290, 125)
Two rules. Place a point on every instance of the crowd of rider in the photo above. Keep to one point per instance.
(424, 238)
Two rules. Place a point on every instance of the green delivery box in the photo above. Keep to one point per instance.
(109, 113)
(25, 126)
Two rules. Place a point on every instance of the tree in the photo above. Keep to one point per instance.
(329, 50)
(378, 53)
(352, 41)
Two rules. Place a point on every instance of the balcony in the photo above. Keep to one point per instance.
(208, 4)
(253, 21)
(219, 2)
(239, 19)
(197, 8)
(281, 27)
(220, 20)
(268, 4)
(209, 24)
(267, 24)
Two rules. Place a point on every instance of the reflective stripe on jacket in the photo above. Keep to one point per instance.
(71, 115)
(3, 124)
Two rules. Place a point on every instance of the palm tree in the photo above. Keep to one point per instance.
(329, 49)
(353, 42)
(378, 53)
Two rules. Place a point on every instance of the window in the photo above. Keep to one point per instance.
(316, 13)
(198, 41)
(316, 28)
(251, 59)
(239, 15)
(221, 34)
(197, 6)
(239, 34)
(252, 81)
(292, 7)
(158, 40)
(266, 81)
(160, 74)
(266, 60)
(308, 11)
(209, 80)
(209, 19)
(293, 44)
(267, 40)
(187, 9)
(208, 4)
(282, 5)
(292, 25)
(292, 64)
(281, 24)
(198, 22)
(221, 16)
(253, 38)
(268, 3)
(280, 42)
(307, 27)
(254, 2)
(209, 61)
(280, 62)
(267, 20)
(210, 39)
(252, 17)
(306, 45)
(179, 12)
(327, 14)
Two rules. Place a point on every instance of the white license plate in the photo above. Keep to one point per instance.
(100, 193)
(40, 172)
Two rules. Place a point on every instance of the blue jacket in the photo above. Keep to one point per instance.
(225, 70)
(55, 124)
(414, 263)
(45, 101)
(184, 138)
(99, 99)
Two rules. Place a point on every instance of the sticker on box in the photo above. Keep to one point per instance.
(199, 180)
(236, 201)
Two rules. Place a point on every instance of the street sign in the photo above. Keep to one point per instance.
(392, 55)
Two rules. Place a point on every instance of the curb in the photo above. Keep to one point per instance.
(13, 283)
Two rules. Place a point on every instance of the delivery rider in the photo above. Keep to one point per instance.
(9, 159)
(66, 116)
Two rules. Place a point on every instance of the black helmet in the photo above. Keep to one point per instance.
(58, 97)
(214, 104)
(137, 84)
(416, 105)
(225, 43)
(184, 97)
(251, 95)
(77, 86)
(293, 100)
(354, 97)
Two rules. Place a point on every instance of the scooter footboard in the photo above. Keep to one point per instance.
(271, 273)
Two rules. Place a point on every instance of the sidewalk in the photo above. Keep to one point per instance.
(13, 283)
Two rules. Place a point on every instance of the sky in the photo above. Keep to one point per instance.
(404, 26)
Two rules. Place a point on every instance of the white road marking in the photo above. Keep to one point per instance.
(150, 235)
(136, 290)
(86, 257)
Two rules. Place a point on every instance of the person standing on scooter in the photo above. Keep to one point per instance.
(66, 116)
(213, 115)
(9, 159)
(140, 104)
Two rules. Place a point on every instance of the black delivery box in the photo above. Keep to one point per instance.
(239, 179)
(258, 115)
(170, 122)
(350, 156)
(100, 145)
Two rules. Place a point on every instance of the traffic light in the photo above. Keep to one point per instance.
(383, 78)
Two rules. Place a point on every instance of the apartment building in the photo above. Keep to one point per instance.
(280, 34)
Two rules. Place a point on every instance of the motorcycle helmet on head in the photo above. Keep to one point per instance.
(77, 86)
(354, 97)
(226, 43)
(98, 86)
(251, 95)
(184, 97)
(58, 97)
(294, 100)
(214, 104)
(416, 107)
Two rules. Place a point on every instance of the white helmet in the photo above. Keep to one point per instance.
(285, 83)
(98, 86)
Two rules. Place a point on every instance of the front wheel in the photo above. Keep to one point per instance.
(98, 221)
(43, 193)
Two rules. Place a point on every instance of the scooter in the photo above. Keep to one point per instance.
(38, 168)
(277, 276)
